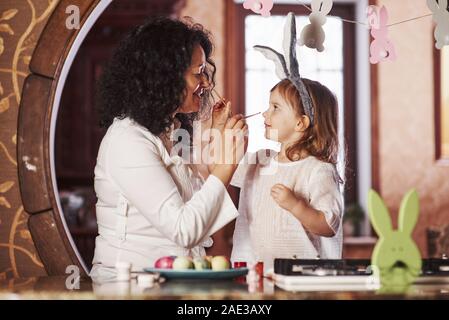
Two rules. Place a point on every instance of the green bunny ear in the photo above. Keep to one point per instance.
(378, 214)
(408, 214)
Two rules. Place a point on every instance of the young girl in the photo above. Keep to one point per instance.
(290, 203)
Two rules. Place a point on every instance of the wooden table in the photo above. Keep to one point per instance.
(56, 288)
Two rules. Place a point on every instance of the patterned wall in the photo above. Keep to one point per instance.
(406, 117)
(21, 23)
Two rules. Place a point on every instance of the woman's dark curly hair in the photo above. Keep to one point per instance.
(145, 77)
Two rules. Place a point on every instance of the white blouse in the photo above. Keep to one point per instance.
(264, 231)
(151, 204)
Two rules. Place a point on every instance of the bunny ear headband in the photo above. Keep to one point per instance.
(287, 66)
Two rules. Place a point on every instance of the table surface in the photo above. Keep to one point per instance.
(57, 288)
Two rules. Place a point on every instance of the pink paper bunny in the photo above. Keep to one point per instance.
(381, 48)
(262, 7)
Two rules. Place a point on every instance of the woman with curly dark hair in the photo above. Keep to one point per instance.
(150, 202)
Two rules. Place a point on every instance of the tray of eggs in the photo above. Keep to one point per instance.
(208, 267)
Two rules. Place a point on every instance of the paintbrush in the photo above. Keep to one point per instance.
(223, 101)
(251, 115)
(220, 97)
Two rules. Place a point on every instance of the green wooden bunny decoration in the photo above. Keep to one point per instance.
(395, 255)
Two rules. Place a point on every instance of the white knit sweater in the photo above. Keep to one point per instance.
(264, 230)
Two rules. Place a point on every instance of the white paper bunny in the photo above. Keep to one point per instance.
(441, 18)
(313, 34)
(287, 66)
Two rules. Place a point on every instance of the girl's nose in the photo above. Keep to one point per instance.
(264, 114)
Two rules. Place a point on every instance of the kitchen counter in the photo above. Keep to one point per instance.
(55, 288)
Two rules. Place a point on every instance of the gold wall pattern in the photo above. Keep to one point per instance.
(21, 23)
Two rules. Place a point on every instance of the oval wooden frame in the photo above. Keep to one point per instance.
(49, 66)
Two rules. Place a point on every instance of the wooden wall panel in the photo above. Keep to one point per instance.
(49, 54)
(407, 124)
(32, 139)
(49, 244)
(31, 158)
(25, 21)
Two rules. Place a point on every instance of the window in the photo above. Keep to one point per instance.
(251, 76)
(327, 67)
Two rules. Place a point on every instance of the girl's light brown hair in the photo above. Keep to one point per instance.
(320, 139)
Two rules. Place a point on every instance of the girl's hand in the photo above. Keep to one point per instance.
(284, 197)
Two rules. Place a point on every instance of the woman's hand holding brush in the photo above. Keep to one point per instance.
(222, 119)
(222, 111)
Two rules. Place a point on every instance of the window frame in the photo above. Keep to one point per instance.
(440, 158)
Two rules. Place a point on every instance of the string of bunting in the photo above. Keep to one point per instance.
(381, 47)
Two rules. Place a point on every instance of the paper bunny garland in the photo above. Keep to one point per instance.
(381, 48)
(313, 34)
(287, 66)
(396, 256)
(441, 17)
(262, 7)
